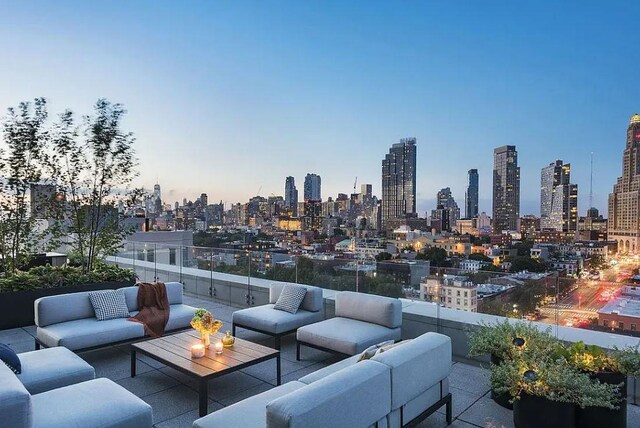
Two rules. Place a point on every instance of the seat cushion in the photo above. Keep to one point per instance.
(326, 371)
(89, 332)
(53, 368)
(95, 403)
(248, 413)
(267, 319)
(179, 316)
(346, 335)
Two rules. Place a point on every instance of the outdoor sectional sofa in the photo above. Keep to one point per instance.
(267, 320)
(69, 320)
(58, 389)
(396, 388)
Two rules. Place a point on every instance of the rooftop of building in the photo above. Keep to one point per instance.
(625, 305)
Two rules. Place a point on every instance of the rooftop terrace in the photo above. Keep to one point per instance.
(174, 397)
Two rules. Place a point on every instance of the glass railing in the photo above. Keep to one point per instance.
(236, 277)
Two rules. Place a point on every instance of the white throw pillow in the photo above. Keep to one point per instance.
(290, 298)
(371, 350)
(109, 304)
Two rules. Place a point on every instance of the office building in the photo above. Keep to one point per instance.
(471, 196)
(399, 181)
(624, 201)
(291, 195)
(558, 198)
(506, 189)
(312, 185)
(445, 199)
(42, 198)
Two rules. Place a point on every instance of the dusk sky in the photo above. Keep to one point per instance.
(229, 98)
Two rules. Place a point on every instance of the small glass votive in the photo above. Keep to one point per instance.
(197, 351)
(218, 347)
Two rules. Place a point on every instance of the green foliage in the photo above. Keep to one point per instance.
(628, 360)
(480, 257)
(590, 358)
(436, 256)
(523, 247)
(64, 276)
(520, 263)
(598, 262)
(380, 257)
(497, 339)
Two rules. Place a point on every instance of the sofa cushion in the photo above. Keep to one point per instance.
(326, 371)
(15, 401)
(330, 402)
(109, 304)
(63, 307)
(95, 403)
(248, 413)
(10, 358)
(385, 311)
(345, 335)
(267, 319)
(428, 354)
(52, 368)
(89, 332)
(180, 316)
(290, 298)
(312, 302)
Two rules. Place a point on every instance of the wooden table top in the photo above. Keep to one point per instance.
(176, 350)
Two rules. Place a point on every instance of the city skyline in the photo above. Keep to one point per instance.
(218, 89)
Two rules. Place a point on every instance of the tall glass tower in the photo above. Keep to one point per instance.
(471, 197)
(291, 195)
(399, 181)
(506, 189)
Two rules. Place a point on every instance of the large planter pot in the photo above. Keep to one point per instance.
(501, 398)
(535, 412)
(599, 416)
(17, 308)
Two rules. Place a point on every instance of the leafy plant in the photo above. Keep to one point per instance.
(204, 322)
(553, 379)
(628, 360)
(497, 339)
(590, 358)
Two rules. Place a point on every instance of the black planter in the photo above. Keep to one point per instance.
(17, 308)
(601, 417)
(536, 412)
(500, 398)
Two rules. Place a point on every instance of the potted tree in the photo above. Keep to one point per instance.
(506, 340)
(547, 392)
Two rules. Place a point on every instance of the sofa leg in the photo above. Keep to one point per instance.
(277, 339)
(449, 410)
(233, 330)
(37, 344)
(297, 351)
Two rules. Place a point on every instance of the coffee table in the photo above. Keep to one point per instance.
(175, 351)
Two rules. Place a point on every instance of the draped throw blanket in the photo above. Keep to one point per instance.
(153, 305)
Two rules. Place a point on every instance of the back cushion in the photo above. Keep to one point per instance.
(428, 354)
(174, 295)
(15, 401)
(385, 311)
(63, 307)
(330, 402)
(312, 302)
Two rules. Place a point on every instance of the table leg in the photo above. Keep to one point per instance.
(278, 371)
(203, 397)
(133, 362)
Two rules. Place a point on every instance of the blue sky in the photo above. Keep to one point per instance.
(231, 97)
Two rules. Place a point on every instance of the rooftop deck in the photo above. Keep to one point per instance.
(174, 397)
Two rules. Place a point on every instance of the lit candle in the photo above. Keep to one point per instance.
(197, 351)
(218, 347)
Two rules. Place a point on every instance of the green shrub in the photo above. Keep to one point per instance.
(63, 276)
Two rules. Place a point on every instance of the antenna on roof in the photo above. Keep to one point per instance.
(591, 184)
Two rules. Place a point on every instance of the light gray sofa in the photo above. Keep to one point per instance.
(396, 388)
(264, 319)
(69, 319)
(361, 320)
(91, 403)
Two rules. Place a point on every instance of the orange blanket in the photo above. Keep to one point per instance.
(154, 308)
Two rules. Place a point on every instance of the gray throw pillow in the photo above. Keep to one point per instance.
(371, 350)
(109, 304)
(290, 298)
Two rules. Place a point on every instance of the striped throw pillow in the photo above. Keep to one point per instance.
(290, 298)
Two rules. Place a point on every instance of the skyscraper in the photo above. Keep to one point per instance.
(506, 189)
(444, 199)
(471, 197)
(624, 201)
(558, 198)
(312, 188)
(399, 181)
(291, 195)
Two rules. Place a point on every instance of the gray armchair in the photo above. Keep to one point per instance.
(361, 320)
(267, 320)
